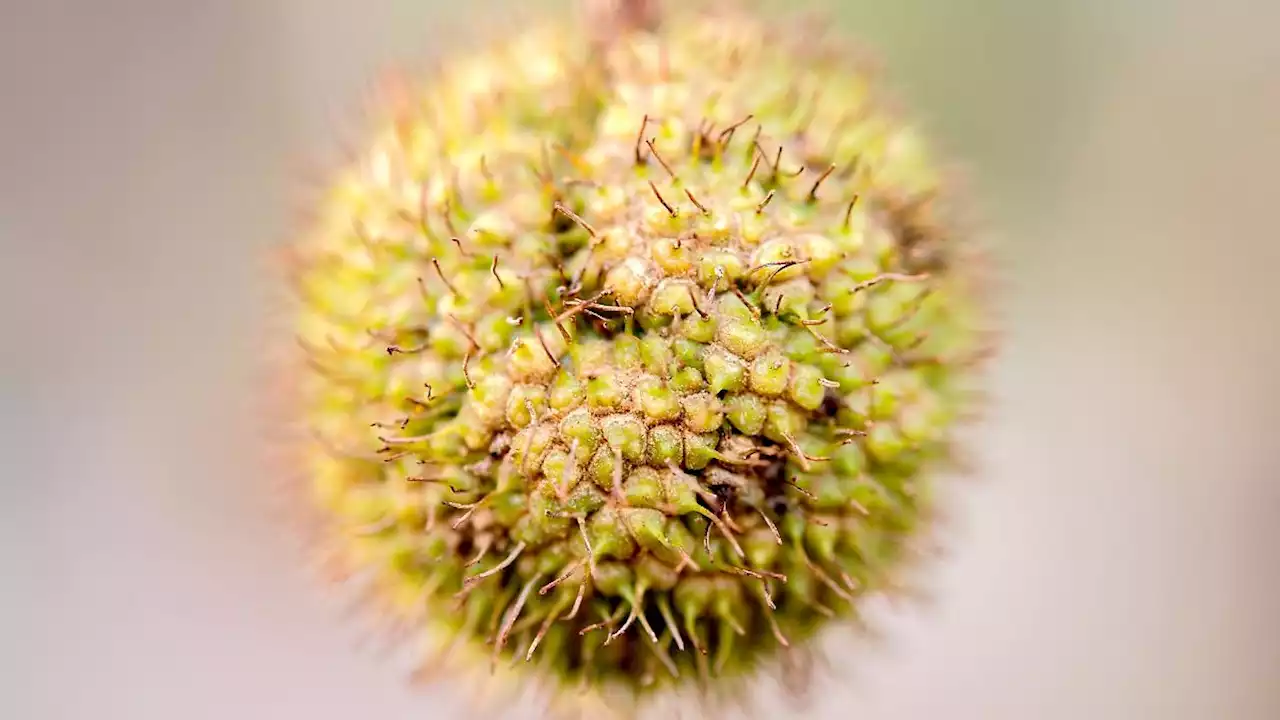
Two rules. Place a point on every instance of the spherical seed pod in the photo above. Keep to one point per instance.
(631, 365)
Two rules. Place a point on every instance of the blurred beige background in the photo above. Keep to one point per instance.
(1118, 559)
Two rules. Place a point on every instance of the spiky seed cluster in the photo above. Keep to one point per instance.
(631, 366)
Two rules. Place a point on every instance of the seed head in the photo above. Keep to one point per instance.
(631, 363)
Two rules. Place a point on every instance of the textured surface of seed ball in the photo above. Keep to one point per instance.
(632, 367)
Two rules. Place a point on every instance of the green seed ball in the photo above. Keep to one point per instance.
(633, 364)
(769, 373)
(655, 400)
(724, 370)
(747, 413)
(702, 412)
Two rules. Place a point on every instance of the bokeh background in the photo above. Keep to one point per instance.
(1117, 558)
